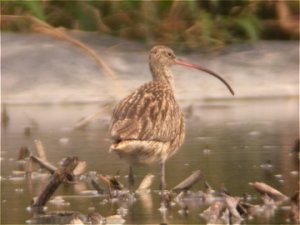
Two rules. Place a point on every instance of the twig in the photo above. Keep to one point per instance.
(112, 182)
(146, 182)
(294, 213)
(58, 177)
(29, 167)
(80, 168)
(23, 153)
(188, 182)
(232, 204)
(96, 185)
(263, 188)
(40, 150)
(44, 164)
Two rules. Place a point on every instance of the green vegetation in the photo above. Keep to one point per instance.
(211, 23)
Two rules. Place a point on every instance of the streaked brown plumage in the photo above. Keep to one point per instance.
(148, 125)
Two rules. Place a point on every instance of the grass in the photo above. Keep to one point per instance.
(193, 24)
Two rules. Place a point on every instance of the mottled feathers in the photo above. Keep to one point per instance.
(150, 113)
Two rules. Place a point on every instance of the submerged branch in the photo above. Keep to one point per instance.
(188, 182)
(60, 175)
(263, 189)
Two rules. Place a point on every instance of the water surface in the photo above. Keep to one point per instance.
(227, 140)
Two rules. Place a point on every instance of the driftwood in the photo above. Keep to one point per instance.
(232, 204)
(29, 166)
(265, 189)
(213, 214)
(294, 214)
(97, 186)
(112, 182)
(60, 175)
(58, 217)
(95, 218)
(80, 168)
(40, 150)
(146, 182)
(44, 164)
(188, 182)
(23, 153)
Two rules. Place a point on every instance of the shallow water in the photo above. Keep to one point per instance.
(48, 85)
(227, 140)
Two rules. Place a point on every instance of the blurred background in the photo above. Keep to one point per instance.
(65, 64)
(251, 42)
(191, 24)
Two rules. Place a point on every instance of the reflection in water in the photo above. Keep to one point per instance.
(146, 201)
(240, 136)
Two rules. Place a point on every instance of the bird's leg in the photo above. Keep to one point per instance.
(162, 183)
(130, 179)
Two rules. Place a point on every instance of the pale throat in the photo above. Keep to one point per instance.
(162, 74)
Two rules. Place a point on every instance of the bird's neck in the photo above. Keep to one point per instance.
(162, 74)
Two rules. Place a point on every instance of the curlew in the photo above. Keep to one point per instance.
(148, 126)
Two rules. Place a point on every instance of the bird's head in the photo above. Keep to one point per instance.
(161, 55)
(161, 58)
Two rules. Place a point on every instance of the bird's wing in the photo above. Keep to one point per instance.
(149, 113)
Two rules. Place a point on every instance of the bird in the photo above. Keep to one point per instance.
(148, 125)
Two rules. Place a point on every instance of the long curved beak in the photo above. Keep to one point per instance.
(187, 64)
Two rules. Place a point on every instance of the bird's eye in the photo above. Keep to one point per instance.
(169, 54)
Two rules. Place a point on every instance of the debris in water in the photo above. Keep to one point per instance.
(112, 182)
(19, 190)
(76, 221)
(188, 182)
(122, 211)
(80, 168)
(57, 178)
(163, 209)
(14, 178)
(95, 218)
(206, 151)
(89, 192)
(44, 164)
(40, 150)
(146, 183)
(294, 173)
(18, 173)
(254, 133)
(64, 140)
(213, 214)
(58, 200)
(267, 165)
(58, 217)
(265, 189)
(97, 186)
(294, 214)
(23, 153)
(115, 219)
(232, 205)
(279, 176)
